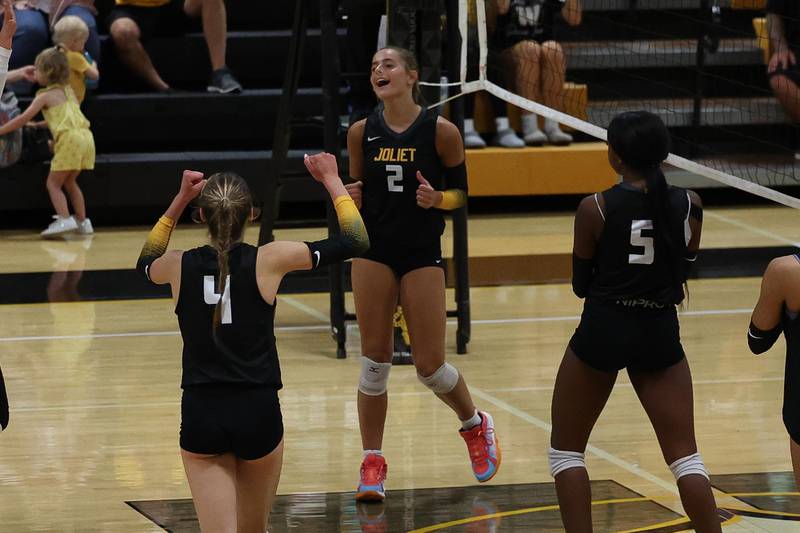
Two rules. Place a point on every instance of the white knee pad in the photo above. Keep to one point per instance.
(374, 377)
(443, 380)
(562, 460)
(686, 466)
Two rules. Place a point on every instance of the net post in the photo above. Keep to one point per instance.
(271, 196)
(460, 244)
(330, 97)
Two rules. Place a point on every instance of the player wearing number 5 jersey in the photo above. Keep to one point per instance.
(231, 434)
(409, 164)
(633, 247)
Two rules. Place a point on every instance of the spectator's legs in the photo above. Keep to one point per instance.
(127, 40)
(554, 68)
(525, 59)
(55, 182)
(93, 43)
(75, 195)
(786, 90)
(215, 27)
(32, 36)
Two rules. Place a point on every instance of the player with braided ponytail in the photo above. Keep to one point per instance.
(225, 297)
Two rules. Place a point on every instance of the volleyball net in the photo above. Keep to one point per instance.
(701, 65)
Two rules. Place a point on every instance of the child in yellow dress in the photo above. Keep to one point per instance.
(71, 32)
(73, 142)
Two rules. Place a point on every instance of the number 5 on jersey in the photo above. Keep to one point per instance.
(211, 297)
(394, 178)
(646, 258)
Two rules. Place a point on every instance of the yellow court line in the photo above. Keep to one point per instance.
(676, 522)
(769, 513)
(745, 494)
(471, 519)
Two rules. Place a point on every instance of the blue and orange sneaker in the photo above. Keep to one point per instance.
(373, 474)
(484, 449)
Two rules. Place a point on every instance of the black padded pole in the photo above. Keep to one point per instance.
(331, 78)
(460, 245)
(271, 196)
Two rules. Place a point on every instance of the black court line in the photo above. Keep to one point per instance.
(127, 284)
(407, 510)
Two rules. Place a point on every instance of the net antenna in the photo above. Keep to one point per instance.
(483, 84)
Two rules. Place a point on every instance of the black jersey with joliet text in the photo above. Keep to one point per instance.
(391, 162)
(245, 351)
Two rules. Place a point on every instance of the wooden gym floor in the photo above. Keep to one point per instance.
(92, 444)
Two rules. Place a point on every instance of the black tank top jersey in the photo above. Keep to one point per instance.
(391, 162)
(627, 265)
(791, 385)
(247, 354)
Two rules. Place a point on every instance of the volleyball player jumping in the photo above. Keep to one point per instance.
(633, 247)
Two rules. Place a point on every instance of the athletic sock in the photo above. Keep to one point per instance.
(373, 452)
(472, 422)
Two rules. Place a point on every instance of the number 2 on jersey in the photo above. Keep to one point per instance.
(211, 297)
(646, 258)
(394, 178)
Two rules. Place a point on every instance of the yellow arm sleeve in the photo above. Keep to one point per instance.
(452, 199)
(156, 244)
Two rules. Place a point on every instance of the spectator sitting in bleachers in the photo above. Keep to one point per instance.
(36, 19)
(783, 19)
(524, 34)
(72, 33)
(133, 21)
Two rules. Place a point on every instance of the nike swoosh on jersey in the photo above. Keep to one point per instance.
(318, 257)
(370, 139)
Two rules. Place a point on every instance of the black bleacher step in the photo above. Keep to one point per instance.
(593, 55)
(258, 58)
(648, 5)
(151, 179)
(678, 113)
(200, 120)
(642, 24)
(244, 15)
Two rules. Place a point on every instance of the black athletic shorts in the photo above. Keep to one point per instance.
(243, 420)
(611, 337)
(404, 259)
(168, 20)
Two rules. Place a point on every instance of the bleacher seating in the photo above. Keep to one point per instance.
(149, 137)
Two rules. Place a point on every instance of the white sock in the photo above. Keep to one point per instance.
(530, 124)
(373, 452)
(501, 123)
(551, 125)
(471, 422)
(469, 125)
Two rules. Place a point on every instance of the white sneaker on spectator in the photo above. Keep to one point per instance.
(85, 227)
(505, 136)
(60, 226)
(471, 137)
(554, 133)
(532, 135)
